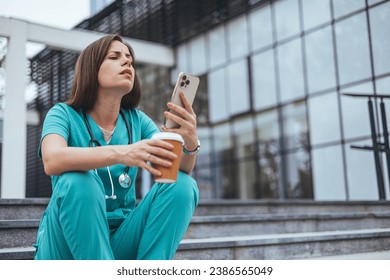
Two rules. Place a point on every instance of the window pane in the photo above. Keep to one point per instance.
(352, 49)
(203, 174)
(244, 138)
(295, 125)
(238, 40)
(380, 32)
(247, 180)
(269, 159)
(198, 56)
(370, 2)
(362, 185)
(268, 132)
(324, 119)
(217, 47)
(222, 143)
(287, 18)
(343, 7)
(263, 79)
(356, 121)
(320, 60)
(261, 27)
(328, 173)
(299, 181)
(383, 85)
(222, 155)
(217, 96)
(238, 87)
(315, 12)
(291, 70)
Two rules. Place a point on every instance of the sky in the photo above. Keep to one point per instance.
(63, 14)
(57, 13)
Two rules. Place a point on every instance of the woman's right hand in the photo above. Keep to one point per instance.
(154, 151)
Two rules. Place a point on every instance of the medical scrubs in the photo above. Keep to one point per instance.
(79, 223)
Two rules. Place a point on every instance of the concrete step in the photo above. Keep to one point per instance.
(29, 208)
(230, 225)
(19, 233)
(243, 207)
(286, 246)
(348, 244)
(32, 208)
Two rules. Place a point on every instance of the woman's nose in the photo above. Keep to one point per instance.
(127, 61)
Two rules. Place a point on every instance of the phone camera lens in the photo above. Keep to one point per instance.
(187, 82)
(182, 84)
(184, 77)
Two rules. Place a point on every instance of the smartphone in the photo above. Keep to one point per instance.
(188, 84)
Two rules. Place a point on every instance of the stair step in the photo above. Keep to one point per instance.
(34, 207)
(230, 225)
(286, 246)
(16, 233)
(237, 207)
(347, 244)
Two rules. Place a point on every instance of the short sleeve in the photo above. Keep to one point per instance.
(148, 127)
(56, 122)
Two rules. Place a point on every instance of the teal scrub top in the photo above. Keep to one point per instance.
(69, 123)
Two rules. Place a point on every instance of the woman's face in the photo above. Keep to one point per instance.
(116, 74)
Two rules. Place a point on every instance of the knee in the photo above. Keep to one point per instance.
(185, 189)
(84, 186)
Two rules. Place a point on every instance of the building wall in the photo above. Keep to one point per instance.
(273, 120)
(278, 124)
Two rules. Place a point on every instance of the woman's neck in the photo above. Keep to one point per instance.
(105, 113)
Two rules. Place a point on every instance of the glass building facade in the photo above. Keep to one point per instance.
(273, 120)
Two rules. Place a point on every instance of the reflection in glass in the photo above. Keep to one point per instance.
(217, 47)
(261, 27)
(315, 12)
(343, 7)
(380, 34)
(244, 137)
(362, 185)
(238, 37)
(291, 70)
(352, 49)
(320, 60)
(295, 126)
(217, 96)
(222, 157)
(198, 55)
(3, 54)
(269, 171)
(298, 175)
(383, 85)
(324, 119)
(202, 172)
(328, 173)
(238, 88)
(287, 18)
(354, 110)
(263, 79)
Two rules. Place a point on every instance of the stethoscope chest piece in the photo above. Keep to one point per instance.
(124, 180)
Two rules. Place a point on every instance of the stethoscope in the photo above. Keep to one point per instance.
(124, 179)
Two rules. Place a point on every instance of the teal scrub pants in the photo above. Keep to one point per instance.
(74, 225)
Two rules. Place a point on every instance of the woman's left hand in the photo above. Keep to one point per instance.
(186, 118)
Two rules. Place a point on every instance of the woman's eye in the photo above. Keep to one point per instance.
(113, 57)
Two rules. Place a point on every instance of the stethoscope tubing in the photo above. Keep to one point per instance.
(124, 179)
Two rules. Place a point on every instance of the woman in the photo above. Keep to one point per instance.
(90, 144)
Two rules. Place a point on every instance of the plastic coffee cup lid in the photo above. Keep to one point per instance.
(168, 136)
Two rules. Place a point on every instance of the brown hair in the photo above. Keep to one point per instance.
(85, 81)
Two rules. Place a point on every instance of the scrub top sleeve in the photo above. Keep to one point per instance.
(148, 127)
(56, 122)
